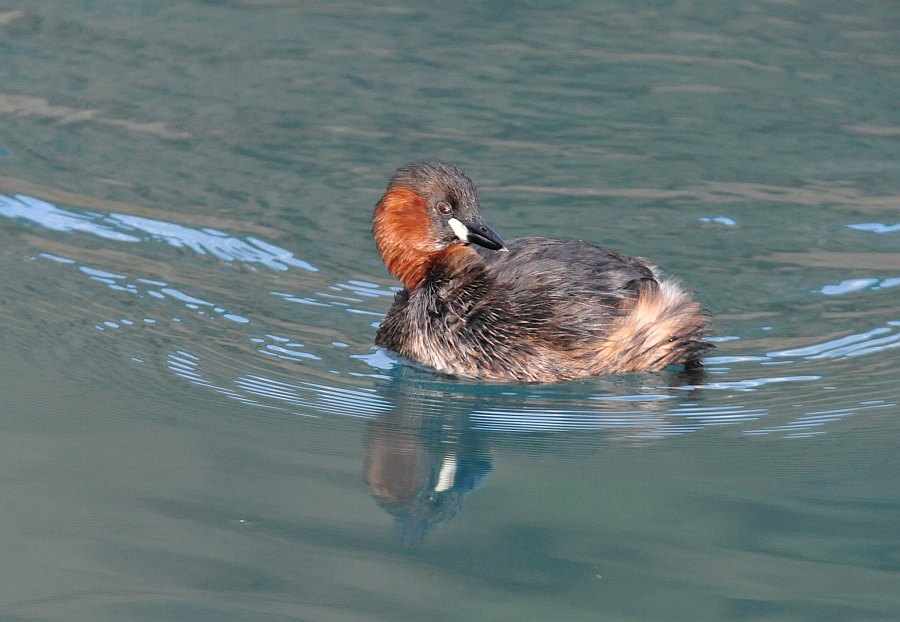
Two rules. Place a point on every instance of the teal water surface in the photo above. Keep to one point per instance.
(196, 426)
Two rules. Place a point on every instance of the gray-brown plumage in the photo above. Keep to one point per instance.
(533, 310)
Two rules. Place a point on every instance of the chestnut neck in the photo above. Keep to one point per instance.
(406, 238)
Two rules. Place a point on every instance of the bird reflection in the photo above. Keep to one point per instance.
(425, 455)
(421, 464)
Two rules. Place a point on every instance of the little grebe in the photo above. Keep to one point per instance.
(531, 310)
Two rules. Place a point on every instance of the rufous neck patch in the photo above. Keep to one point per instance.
(407, 238)
(403, 234)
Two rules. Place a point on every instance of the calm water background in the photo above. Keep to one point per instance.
(195, 426)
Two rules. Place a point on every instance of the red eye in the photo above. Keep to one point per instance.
(444, 208)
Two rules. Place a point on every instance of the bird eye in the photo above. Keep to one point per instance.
(444, 208)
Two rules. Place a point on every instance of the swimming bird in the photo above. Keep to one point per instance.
(529, 310)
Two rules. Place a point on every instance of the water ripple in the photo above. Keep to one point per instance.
(627, 423)
(51, 217)
(854, 285)
(810, 423)
(876, 227)
(127, 228)
(851, 345)
(264, 375)
(158, 290)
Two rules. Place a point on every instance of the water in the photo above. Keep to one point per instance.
(195, 425)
